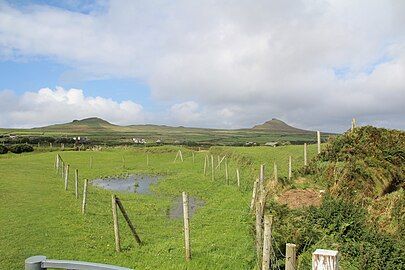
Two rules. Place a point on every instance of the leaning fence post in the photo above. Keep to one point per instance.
(34, 263)
(130, 225)
(67, 177)
(268, 219)
(115, 221)
(323, 259)
(290, 256)
(84, 196)
(77, 183)
(186, 226)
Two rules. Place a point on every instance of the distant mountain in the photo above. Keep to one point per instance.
(95, 124)
(276, 125)
(87, 124)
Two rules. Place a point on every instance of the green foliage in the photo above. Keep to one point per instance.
(21, 148)
(3, 149)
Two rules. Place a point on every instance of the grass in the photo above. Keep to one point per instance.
(39, 217)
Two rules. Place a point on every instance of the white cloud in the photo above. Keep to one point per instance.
(59, 105)
(261, 59)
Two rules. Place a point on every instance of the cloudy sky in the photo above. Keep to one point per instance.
(226, 64)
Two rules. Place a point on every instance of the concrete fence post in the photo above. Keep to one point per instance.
(318, 135)
(290, 256)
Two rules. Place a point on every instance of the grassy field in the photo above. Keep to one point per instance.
(39, 217)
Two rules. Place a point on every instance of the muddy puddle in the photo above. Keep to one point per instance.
(133, 184)
(176, 211)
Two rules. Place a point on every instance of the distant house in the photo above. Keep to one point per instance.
(176, 142)
(250, 144)
(158, 141)
(273, 144)
(80, 139)
(139, 140)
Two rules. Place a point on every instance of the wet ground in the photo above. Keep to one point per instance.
(133, 183)
(141, 184)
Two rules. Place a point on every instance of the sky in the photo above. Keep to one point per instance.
(223, 64)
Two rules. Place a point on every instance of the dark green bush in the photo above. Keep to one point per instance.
(3, 149)
(21, 148)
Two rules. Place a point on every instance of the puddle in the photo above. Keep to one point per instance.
(133, 183)
(176, 211)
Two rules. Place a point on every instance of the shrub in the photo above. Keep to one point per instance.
(21, 148)
(3, 149)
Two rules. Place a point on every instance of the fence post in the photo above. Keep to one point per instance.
(290, 256)
(147, 159)
(254, 194)
(226, 172)
(268, 220)
(67, 177)
(259, 231)
(212, 168)
(84, 196)
(205, 165)
(186, 226)
(305, 155)
(261, 178)
(323, 259)
(238, 177)
(77, 183)
(318, 135)
(275, 172)
(131, 226)
(115, 220)
(353, 124)
(193, 157)
(34, 263)
(289, 168)
(91, 162)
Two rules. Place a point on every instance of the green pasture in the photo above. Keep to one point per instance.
(38, 217)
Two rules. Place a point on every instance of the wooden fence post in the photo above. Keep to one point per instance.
(289, 168)
(353, 124)
(212, 168)
(290, 257)
(261, 178)
(259, 231)
(115, 220)
(147, 159)
(77, 183)
(177, 154)
(123, 161)
(267, 245)
(62, 171)
(205, 165)
(275, 172)
(84, 196)
(131, 226)
(193, 157)
(323, 259)
(238, 177)
(305, 155)
(254, 194)
(186, 226)
(318, 135)
(91, 162)
(226, 172)
(181, 156)
(67, 177)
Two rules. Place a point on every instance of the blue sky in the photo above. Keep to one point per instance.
(313, 64)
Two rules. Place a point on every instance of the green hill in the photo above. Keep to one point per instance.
(276, 125)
